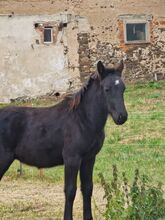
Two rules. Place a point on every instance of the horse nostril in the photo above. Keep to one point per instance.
(120, 116)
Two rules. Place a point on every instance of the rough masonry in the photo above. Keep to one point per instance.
(84, 31)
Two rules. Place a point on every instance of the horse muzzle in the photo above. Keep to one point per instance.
(120, 118)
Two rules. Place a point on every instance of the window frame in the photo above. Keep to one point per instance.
(147, 31)
(48, 42)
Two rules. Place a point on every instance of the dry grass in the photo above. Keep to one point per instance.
(22, 199)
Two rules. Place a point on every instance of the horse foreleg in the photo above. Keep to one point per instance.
(71, 170)
(86, 172)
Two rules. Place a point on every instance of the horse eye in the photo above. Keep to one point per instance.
(107, 89)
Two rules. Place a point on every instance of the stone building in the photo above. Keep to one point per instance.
(51, 46)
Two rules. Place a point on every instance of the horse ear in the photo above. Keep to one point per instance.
(101, 69)
(119, 67)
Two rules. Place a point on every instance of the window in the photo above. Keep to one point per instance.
(136, 32)
(48, 35)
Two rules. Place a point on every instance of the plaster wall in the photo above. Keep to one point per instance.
(30, 68)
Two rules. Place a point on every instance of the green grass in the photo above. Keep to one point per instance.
(139, 143)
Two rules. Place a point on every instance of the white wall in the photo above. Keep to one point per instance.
(26, 68)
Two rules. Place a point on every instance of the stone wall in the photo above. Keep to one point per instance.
(142, 61)
(96, 33)
(145, 61)
(84, 55)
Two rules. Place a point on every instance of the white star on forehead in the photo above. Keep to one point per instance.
(117, 82)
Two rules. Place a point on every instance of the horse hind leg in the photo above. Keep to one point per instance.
(6, 159)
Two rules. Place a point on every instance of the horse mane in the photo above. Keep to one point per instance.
(75, 99)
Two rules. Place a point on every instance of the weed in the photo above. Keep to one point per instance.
(137, 201)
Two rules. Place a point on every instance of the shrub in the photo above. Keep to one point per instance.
(138, 201)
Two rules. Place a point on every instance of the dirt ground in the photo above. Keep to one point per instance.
(27, 200)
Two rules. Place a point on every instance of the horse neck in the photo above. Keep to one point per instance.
(94, 107)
